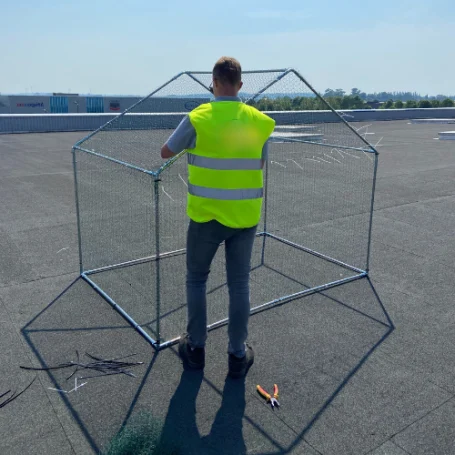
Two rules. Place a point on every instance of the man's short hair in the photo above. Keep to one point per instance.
(227, 70)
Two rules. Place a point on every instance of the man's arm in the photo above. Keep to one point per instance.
(166, 152)
(183, 137)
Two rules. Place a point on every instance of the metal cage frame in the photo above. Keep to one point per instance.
(357, 273)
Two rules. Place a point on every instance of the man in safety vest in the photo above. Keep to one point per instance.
(226, 143)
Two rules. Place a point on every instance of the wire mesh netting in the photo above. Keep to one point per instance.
(315, 228)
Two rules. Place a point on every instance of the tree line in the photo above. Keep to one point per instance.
(353, 101)
(385, 96)
(398, 104)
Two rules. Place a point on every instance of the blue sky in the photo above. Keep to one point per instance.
(130, 47)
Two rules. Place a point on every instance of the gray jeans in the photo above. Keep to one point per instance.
(202, 243)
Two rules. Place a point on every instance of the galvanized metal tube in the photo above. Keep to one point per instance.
(243, 72)
(315, 253)
(331, 108)
(78, 219)
(255, 310)
(296, 295)
(169, 162)
(129, 109)
(197, 80)
(168, 343)
(274, 81)
(135, 261)
(288, 298)
(156, 187)
(266, 185)
(280, 70)
(123, 163)
(120, 310)
(370, 228)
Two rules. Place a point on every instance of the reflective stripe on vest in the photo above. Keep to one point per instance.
(225, 195)
(225, 164)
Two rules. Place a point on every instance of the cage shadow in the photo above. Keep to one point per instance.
(79, 320)
(237, 417)
(364, 291)
(53, 338)
(383, 312)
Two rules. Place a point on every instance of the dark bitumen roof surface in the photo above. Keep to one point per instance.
(349, 384)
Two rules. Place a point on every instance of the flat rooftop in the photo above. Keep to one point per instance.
(348, 385)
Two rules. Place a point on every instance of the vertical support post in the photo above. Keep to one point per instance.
(157, 262)
(265, 202)
(76, 195)
(370, 228)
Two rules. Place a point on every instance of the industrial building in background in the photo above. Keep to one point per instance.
(73, 103)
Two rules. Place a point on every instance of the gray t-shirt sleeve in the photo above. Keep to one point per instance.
(183, 137)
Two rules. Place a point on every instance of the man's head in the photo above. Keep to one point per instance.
(227, 77)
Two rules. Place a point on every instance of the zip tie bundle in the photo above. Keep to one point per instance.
(13, 395)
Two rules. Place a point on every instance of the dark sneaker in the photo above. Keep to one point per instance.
(238, 368)
(193, 358)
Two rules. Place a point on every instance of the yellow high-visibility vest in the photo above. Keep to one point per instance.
(225, 180)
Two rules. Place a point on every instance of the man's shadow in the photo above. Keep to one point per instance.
(180, 428)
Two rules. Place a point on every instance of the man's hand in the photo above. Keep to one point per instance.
(166, 152)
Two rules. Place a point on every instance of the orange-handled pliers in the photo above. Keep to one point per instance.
(272, 400)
